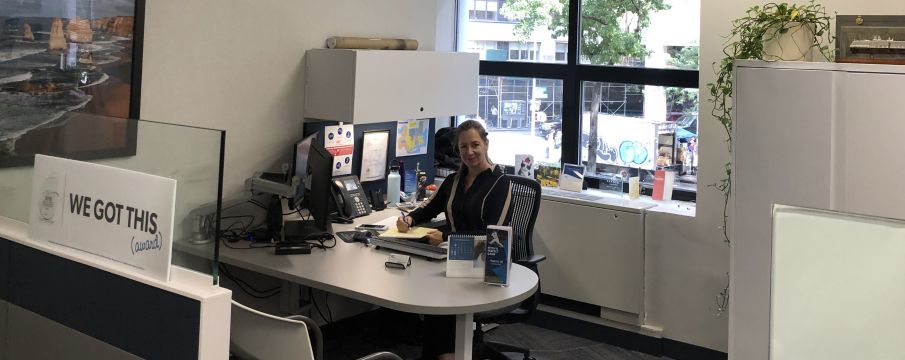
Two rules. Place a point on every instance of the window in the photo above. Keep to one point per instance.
(554, 70)
(561, 49)
(485, 10)
(523, 111)
(523, 51)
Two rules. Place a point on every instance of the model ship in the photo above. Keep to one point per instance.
(878, 45)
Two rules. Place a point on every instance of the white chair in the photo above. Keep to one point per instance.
(258, 335)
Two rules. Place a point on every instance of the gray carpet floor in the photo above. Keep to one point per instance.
(354, 340)
(551, 345)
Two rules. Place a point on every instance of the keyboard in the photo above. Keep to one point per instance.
(572, 194)
(411, 247)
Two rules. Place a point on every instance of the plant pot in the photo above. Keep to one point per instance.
(794, 45)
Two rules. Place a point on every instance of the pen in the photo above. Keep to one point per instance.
(403, 218)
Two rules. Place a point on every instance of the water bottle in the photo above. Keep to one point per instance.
(393, 182)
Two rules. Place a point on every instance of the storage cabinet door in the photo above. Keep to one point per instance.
(871, 140)
(402, 85)
(594, 255)
(782, 154)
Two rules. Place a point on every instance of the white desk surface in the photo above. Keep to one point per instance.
(357, 271)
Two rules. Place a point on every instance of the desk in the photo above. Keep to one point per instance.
(358, 272)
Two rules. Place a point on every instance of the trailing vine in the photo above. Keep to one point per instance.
(760, 25)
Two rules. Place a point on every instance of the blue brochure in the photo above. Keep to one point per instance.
(499, 260)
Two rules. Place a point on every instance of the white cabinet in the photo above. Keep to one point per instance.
(594, 255)
(818, 135)
(368, 86)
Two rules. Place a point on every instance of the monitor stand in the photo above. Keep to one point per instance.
(296, 230)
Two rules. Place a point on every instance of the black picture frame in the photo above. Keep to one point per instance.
(82, 106)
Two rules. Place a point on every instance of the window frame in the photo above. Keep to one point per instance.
(573, 74)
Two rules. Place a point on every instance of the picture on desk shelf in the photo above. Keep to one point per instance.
(524, 165)
(547, 174)
(66, 73)
(412, 137)
(572, 177)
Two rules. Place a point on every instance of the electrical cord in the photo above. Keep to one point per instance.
(248, 288)
(314, 302)
(321, 240)
(327, 302)
(257, 203)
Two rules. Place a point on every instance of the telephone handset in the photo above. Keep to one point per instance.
(351, 201)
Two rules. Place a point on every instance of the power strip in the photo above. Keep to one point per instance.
(290, 248)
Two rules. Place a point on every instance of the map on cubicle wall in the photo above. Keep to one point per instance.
(837, 286)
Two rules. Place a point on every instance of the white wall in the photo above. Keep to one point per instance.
(715, 22)
(238, 66)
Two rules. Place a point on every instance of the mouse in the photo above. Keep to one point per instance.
(362, 236)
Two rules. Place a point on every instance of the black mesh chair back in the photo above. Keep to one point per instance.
(525, 204)
(524, 207)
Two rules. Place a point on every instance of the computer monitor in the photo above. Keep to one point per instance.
(300, 168)
(319, 171)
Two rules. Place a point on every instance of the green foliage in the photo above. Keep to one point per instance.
(683, 98)
(610, 29)
(759, 25)
(686, 59)
(610, 34)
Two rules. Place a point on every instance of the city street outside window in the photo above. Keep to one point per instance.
(628, 69)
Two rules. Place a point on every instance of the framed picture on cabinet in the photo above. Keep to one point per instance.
(870, 39)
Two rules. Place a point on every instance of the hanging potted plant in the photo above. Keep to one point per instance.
(771, 32)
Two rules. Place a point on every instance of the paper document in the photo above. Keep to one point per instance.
(413, 233)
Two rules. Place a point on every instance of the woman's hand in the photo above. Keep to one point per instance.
(404, 223)
(434, 237)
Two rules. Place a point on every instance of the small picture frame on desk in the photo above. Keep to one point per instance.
(572, 177)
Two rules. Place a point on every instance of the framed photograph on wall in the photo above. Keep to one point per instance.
(374, 155)
(69, 78)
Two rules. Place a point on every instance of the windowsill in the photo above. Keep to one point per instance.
(620, 201)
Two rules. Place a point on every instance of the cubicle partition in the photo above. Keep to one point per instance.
(426, 160)
(60, 302)
(190, 155)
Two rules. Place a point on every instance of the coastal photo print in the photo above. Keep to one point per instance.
(69, 78)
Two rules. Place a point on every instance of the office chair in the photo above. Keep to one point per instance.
(525, 204)
(257, 335)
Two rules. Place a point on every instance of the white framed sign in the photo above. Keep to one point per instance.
(121, 215)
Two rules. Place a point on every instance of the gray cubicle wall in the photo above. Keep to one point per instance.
(55, 309)
(426, 160)
(4, 306)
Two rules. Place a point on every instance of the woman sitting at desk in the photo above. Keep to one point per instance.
(474, 197)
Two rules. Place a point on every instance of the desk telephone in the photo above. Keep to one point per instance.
(351, 201)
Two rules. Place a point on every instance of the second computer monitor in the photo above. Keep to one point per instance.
(320, 172)
(300, 167)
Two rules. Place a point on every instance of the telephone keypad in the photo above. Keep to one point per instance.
(359, 206)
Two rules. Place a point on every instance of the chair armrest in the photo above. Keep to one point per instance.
(531, 261)
(316, 333)
(382, 356)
